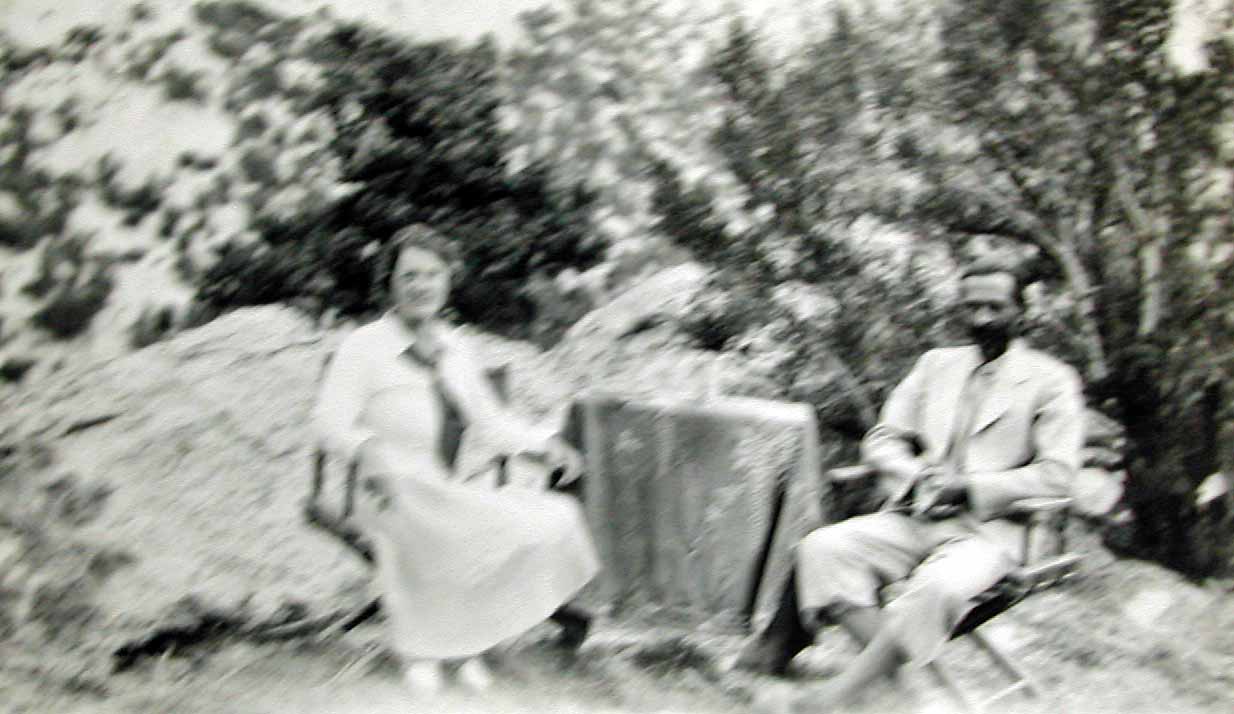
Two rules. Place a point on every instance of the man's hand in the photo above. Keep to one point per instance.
(938, 486)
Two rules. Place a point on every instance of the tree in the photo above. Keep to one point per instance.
(809, 263)
(1057, 130)
(418, 134)
(1099, 153)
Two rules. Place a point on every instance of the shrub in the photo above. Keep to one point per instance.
(19, 235)
(140, 12)
(251, 274)
(423, 140)
(143, 57)
(14, 369)
(70, 312)
(183, 85)
(151, 326)
(79, 40)
(137, 202)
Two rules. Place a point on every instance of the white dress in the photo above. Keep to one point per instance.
(461, 567)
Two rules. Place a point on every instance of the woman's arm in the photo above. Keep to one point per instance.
(501, 428)
(341, 399)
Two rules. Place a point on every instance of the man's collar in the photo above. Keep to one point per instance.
(1008, 355)
(1006, 364)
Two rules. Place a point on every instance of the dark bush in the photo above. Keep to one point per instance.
(236, 25)
(57, 254)
(233, 15)
(151, 326)
(70, 312)
(183, 85)
(141, 12)
(79, 40)
(19, 235)
(252, 274)
(14, 369)
(137, 203)
(427, 147)
(143, 57)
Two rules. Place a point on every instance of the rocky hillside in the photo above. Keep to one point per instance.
(131, 151)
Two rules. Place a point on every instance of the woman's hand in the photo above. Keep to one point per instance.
(560, 455)
(362, 459)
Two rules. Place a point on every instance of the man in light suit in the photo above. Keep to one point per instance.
(967, 433)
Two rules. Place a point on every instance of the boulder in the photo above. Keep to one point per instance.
(201, 442)
(664, 297)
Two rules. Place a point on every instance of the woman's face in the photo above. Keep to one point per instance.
(419, 285)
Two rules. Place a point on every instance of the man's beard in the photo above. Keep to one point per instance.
(991, 339)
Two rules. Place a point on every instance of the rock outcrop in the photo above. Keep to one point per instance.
(200, 448)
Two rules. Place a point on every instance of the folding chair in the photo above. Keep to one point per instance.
(338, 523)
(853, 492)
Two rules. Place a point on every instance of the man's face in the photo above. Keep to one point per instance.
(420, 284)
(989, 309)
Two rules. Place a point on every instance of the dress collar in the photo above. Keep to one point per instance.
(405, 342)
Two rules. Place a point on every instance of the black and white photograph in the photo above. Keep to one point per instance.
(616, 356)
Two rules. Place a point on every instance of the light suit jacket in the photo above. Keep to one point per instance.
(1025, 440)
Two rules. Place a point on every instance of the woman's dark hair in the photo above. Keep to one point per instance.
(423, 237)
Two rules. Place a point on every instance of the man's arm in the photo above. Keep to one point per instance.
(890, 446)
(1057, 437)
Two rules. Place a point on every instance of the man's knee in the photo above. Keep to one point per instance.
(829, 543)
(846, 539)
(962, 570)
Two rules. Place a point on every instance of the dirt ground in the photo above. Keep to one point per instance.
(353, 674)
(1127, 637)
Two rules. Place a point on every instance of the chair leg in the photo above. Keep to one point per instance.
(1013, 670)
(1021, 680)
(953, 688)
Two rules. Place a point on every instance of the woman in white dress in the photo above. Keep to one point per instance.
(460, 566)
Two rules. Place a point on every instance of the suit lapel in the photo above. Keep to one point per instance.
(944, 406)
(1002, 393)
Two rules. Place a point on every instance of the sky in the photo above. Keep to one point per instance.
(41, 21)
(37, 22)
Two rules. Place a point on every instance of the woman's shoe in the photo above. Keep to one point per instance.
(475, 675)
(765, 656)
(575, 624)
(424, 678)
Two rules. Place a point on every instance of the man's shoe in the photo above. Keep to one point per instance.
(424, 678)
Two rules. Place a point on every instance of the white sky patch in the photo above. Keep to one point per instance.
(42, 22)
(1195, 22)
(144, 132)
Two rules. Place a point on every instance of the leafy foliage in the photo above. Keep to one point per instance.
(1070, 141)
(846, 317)
(1102, 156)
(70, 311)
(14, 369)
(417, 133)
